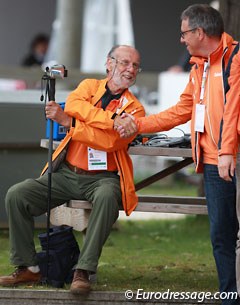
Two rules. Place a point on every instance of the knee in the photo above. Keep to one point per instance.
(11, 195)
(108, 197)
(14, 195)
(108, 192)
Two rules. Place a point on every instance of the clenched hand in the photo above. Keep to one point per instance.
(55, 112)
(226, 167)
(125, 125)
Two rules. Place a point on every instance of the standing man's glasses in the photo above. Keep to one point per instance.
(185, 32)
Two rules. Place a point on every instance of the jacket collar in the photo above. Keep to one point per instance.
(126, 96)
(224, 46)
(100, 91)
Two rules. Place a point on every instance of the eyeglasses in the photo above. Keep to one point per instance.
(125, 63)
(183, 33)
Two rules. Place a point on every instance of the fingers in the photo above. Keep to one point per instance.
(53, 110)
(125, 125)
(127, 115)
(226, 167)
(121, 132)
(232, 169)
(224, 174)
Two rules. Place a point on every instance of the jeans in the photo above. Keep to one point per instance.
(221, 202)
(238, 214)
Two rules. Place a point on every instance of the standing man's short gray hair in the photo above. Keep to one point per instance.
(205, 17)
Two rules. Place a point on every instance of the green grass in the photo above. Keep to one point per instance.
(175, 185)
(159, 255)
(4, 252)
(154, 255)
(176, 189)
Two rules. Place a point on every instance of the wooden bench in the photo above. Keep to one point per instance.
(76, 212)
(158, 204)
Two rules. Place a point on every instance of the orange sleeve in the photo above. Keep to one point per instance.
(79, 107)
(173, 116)
(97, 138)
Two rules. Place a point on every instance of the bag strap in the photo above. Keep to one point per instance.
(226, 74)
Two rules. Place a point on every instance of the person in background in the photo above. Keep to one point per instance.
(210, 107)
(182, 65)
(38, 49)
(93, 164)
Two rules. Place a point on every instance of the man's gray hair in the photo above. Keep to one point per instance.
(206, 17)
(111, 52)
(114, 48)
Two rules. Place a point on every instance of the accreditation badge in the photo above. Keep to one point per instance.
(97, 159)
(199, 118)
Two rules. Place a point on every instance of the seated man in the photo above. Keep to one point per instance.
(91, 113)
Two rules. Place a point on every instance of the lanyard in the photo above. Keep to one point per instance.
(204, 78)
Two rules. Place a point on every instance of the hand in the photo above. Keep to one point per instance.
(226, 167)
(55, 112)
(125, 125)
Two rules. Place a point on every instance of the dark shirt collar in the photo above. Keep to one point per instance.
(108, 97)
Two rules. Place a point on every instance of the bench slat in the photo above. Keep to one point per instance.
(173, 199)
(159, 204)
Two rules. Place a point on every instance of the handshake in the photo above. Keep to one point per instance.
(125, 125)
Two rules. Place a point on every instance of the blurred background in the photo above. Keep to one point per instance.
(153, 26)
(79, 34)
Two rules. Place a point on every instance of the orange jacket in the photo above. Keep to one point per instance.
(94, 127)
(205, 145)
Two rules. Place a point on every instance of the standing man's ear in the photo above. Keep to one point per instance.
(201, 33)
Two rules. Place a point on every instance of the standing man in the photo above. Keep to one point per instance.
(91, 112)
(238, 214)
(209, 106)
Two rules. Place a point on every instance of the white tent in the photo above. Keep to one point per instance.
(104, 24)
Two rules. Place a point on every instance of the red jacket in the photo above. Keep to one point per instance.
(94, 127)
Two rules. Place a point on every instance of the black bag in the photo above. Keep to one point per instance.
(63, 255)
